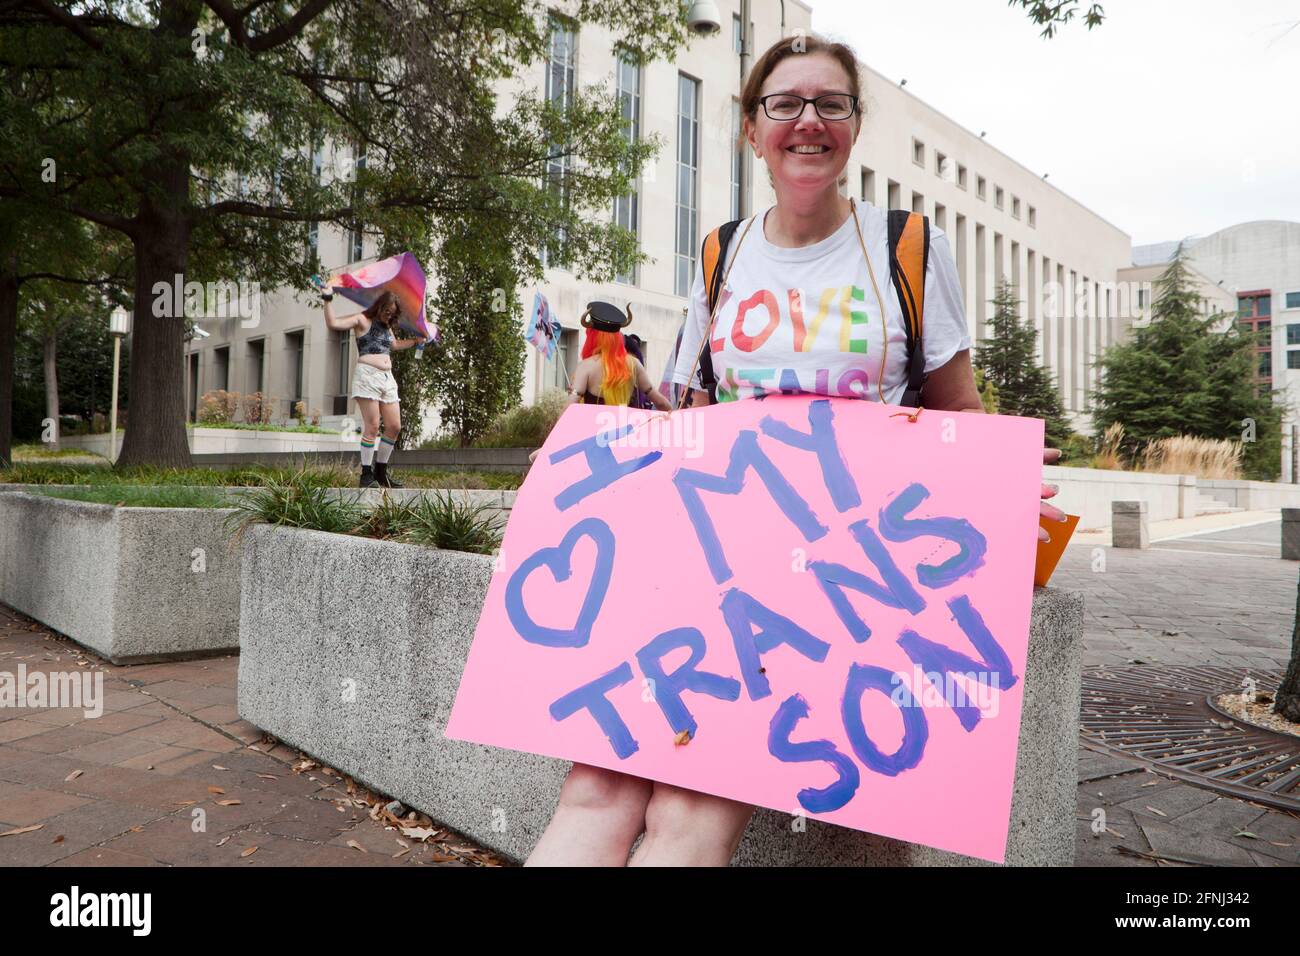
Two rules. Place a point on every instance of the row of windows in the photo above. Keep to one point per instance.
(953, 172)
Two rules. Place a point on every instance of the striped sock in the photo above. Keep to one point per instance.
(386, 446)
(367, 453)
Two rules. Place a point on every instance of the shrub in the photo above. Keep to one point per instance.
(299, 501)
(258, 408)
(218, 407)
(1187, 455)
(525, 426)
(440, 520)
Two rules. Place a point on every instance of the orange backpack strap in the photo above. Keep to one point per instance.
(909, 250)
(712, 257)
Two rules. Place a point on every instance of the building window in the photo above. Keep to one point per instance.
(997, 196)
(1293, 300)
(737, 35)
(980, 191)
(221, 368)
(918, 152)
(626, 208)
(561, 66)
(1254, 305)
(1142, 298)
(961, 176)
(1293, 358)
(256, 370)
(1033, 217)
(918, 203)
(356, 245)
(941, 167)
(894, 198)
(1264, 305)
(688, 172)
(940, 216)
(1265, 364)
(1015, 208)
(868, 185)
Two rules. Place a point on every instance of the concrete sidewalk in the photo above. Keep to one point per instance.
(170, 776)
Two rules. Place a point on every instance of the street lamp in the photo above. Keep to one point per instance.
(119, 324)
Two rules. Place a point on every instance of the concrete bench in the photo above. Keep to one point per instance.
(367, 686)
(132, 584)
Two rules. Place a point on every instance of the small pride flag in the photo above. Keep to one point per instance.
(542, 328)
(400, 274)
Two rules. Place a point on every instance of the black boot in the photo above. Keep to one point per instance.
(368, 477)
(384, 478)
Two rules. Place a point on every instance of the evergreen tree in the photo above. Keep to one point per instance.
(1178, 376)
(1007, 363)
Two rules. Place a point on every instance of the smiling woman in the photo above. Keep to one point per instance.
(812, 299)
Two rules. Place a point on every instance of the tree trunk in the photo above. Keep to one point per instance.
(8, 345)
(155, 425)
(50, 355)
(1287, 699)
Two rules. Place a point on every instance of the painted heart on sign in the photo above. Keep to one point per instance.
(559, 560)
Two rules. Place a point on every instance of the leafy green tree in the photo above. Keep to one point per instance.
(1178, 376)
(1007, 361)
(212, 136)
(1054, 14)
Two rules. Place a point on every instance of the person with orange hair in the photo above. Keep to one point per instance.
(607, 374)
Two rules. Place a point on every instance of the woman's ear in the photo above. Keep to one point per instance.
(750, 130)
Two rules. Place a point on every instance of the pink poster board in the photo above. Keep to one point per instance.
(813, 605)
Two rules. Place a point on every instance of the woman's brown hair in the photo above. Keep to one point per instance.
(380, 308)
(798, 45)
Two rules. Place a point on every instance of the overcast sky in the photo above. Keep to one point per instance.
(1172, 118)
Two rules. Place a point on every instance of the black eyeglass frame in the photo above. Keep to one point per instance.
(804, 105)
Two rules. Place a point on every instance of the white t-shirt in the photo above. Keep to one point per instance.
(807, 319)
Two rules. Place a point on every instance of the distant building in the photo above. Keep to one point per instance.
(1003, 219)
(1257, 264)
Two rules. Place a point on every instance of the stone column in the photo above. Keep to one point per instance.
(1128, 524)
(1291, 534)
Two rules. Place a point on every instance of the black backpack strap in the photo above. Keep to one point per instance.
(904, 276)
(715, 267)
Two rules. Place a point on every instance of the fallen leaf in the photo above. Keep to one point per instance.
(1247, 834)
(401, 853)
(1159, 812)
(1113, 832)
(1275, 843)
(1153, 783)
(215, 790)
(36, 826)
(58, 839)
(219, 767)
(234, 803)
(73, 776)
(268, 776)
(223, 841)
(418, 833)
(357, 846)
(249, 852)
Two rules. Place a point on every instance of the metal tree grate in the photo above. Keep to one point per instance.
(1165, 716)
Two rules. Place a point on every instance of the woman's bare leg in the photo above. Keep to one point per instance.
(600, 815)
(688, 828)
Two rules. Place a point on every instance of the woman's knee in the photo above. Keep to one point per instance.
(595, 788)
(676, 814)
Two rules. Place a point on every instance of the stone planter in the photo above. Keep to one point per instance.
(131, 584)
(352, 650)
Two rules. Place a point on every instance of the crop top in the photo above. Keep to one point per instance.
(377, 341)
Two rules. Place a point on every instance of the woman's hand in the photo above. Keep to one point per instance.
(1050, 456)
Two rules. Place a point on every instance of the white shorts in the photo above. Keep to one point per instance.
(376, 383)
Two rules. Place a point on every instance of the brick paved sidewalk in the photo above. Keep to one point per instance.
(121, 789)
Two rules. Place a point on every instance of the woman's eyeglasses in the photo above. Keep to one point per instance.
(784, 107)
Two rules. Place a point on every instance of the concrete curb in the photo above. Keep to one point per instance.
(366, 684)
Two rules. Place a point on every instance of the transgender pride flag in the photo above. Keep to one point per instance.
(401, 275)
